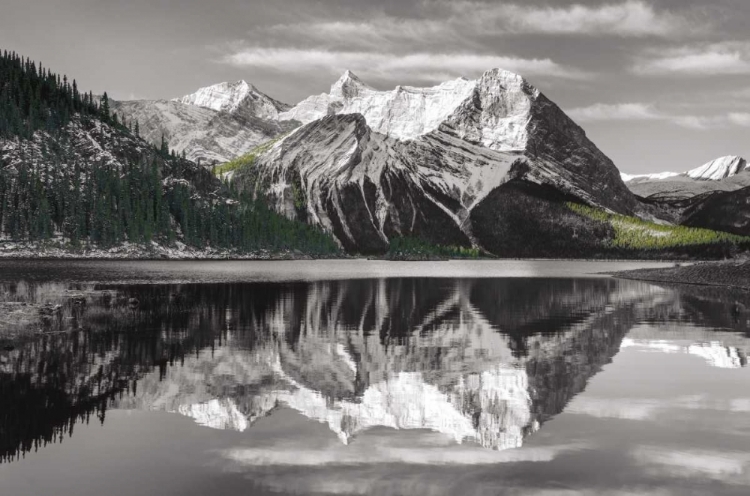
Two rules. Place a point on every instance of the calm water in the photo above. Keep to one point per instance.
(369, 378)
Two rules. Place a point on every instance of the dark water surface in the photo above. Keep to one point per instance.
(476, 378)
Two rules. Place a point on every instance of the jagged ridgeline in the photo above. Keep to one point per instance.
(75, 175)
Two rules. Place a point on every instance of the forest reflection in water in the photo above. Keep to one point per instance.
(486, 361)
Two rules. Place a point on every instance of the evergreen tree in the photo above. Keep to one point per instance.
(104, 109)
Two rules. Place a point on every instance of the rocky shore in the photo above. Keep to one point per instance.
(730, 273)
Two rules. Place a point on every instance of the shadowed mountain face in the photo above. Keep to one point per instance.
(486, 361)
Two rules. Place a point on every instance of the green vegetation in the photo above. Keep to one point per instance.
(49, 192)
(246, 160)
(637, 234)
(106, 207)
(32, 98)
(416, 248)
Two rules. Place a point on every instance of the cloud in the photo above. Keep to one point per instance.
(717, 465)
(713, 122)
(716, 59)
(383, 455)
(740, 119)
(632, 18)
(652, 408)
(423, 66)
(600, 112)
(459, 22)
(615, 408)
(616, 112)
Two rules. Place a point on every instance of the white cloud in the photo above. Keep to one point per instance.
(740, 119)
(693, 463)
(630, 18)
(458, 22)
(424, 66)
(714, 121)
(616, 112)
(717, 59)
(600, 112)
(700, 122)
(616, 408)
(651, 408)
(360, 454)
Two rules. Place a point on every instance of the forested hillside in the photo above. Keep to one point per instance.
(74, 175)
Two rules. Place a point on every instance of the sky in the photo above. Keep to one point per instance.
(657, 84)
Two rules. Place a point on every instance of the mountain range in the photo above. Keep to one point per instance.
(489, 165)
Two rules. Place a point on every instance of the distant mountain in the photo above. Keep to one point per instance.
(713, 196)
(723, 174)
(429, 162)
(233, 97)
(213, 125)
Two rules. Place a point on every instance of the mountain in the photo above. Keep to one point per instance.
(213, 125)
(234, 97)
(713, 196)
(373, 165)
(723, 174)
(74, 178)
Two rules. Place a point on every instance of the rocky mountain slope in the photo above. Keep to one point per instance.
(373, 165)
(214, 125)
(713, 196)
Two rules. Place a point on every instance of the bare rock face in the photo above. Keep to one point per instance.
(213, 125)
(373, 165)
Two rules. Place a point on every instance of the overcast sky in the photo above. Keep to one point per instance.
(657, 84)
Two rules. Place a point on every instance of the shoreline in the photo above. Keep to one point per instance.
(734, 274)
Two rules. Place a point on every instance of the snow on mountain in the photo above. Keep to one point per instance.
(407, 113)
(722, 174)
(204, 134)
(719, 169)
(715, 170)
(215, 124)
(370, 165)
(230, 97)
(655, 177)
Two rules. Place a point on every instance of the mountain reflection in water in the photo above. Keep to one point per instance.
(487, 361)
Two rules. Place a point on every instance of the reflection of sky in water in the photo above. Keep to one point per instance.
(448, 387)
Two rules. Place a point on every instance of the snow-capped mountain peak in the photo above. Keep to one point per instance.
(349, 86)
(233, 97)
(719, 169)
(404, 113)
(221, 97)
(715, 170)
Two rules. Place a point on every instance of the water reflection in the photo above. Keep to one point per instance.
(484, 361)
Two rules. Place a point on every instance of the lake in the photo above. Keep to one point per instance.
(367, 377)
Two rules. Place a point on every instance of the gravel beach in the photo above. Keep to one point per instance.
(731, 273)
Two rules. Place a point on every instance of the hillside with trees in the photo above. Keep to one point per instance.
(76, 177)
